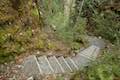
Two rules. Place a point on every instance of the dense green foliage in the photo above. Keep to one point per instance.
(102, 21)
(15, 40)
(107, 26)
(64, 30)
(105, 68)
(99, 21)
(21, 31)
(103, 18)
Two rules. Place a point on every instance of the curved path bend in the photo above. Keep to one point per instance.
(45, 65)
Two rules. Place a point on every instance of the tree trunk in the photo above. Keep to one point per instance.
(39, 12)
(75, 12)
(68, 5)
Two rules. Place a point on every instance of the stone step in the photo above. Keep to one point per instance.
(81, 61)
(72, 64)
(45, 65)
(64, 64)
(56, 65)
(31, 66)
(91, 52)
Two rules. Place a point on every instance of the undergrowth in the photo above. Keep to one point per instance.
(105, 68)
(60, 23)
(15, 41)
(105, 23)
(107, 26)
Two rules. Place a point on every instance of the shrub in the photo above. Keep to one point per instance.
(105, 68)
(107, 26)
(7, 13)
(103, 19)
(67, 33)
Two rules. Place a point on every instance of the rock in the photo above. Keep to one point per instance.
(30, 78)
(19, 66)
(37, 52)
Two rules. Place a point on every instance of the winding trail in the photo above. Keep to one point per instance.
(45, 65)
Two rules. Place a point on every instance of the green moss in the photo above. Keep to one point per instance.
(5, 57)
(29, 32)
(35, 12)
(3, 36)
(51, 45)
(75, 46)
(16, 40)
(17, 34)
(40, 44)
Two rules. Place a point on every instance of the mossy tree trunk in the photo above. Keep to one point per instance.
(39, 12)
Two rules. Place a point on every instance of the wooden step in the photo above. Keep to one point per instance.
(81, 61)
(72, 64)
(56, 65)
(90, 52)
(51, 65)
(45, 65)
(64, 64)
(31, 66)
(96, 41)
